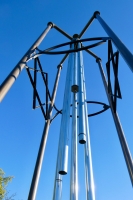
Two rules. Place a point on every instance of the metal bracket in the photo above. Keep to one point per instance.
(113, 57)
(34, 84)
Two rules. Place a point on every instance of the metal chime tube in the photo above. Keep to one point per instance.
(57, 194)
(122, 139)
(11, 78)
(90, 193)
(82, 126)
(90, 189)
(61, 159)
(64, 129)
(74, 167)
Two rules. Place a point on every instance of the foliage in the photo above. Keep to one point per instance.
(7, 196)
(3, 183)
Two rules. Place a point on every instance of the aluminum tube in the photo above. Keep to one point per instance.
(74, 87)
(38, 166)
(90, 189)
(8, 82)
(122, 139)
(126, 54)
(58, 188)
(74, 166)
(82, 128)
(64, 129)
(57, 193)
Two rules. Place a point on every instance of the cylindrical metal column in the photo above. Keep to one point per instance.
(74, 87)
(74, 167)
(5, 86)
(57, 193)
(38, 166)
(64, 129)
(90, 187)
(119, 129)
(126, 54)
(82, 129)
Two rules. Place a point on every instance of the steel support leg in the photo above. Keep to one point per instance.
(6, 85)
(120, 132)
(126, 54)
(38, 166)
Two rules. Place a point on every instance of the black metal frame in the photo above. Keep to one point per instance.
(48, 51)
(45, 79)
(35, 91)
(113, 58)
(34, 82)
(105, 107)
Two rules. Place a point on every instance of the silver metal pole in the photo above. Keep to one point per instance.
(122, 139)
(57, 193)
(64, 129)
(11, 78)
(74, 166)
(126, 54)
(82, 128)
(90, 188)
(74, 87)
(38, 166)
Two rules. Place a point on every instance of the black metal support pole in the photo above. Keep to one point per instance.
(35, 81)
(60, 30)
(63, 32)
(92, 54)
(6, 85)
(38, 166)
(46, 96)
(64, 58)
(120, 132)
(87, 26)
(126, 54)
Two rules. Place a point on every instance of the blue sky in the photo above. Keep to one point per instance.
(21, 22)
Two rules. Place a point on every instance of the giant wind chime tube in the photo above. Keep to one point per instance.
(90, 193)
(75, 87)
(74, 166)
(62, 157)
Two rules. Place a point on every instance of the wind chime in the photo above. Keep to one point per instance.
(75, 89)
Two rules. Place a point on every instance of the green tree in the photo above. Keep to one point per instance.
(3, 183)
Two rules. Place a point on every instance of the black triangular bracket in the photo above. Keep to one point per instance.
(34, 84)
(113, 58)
